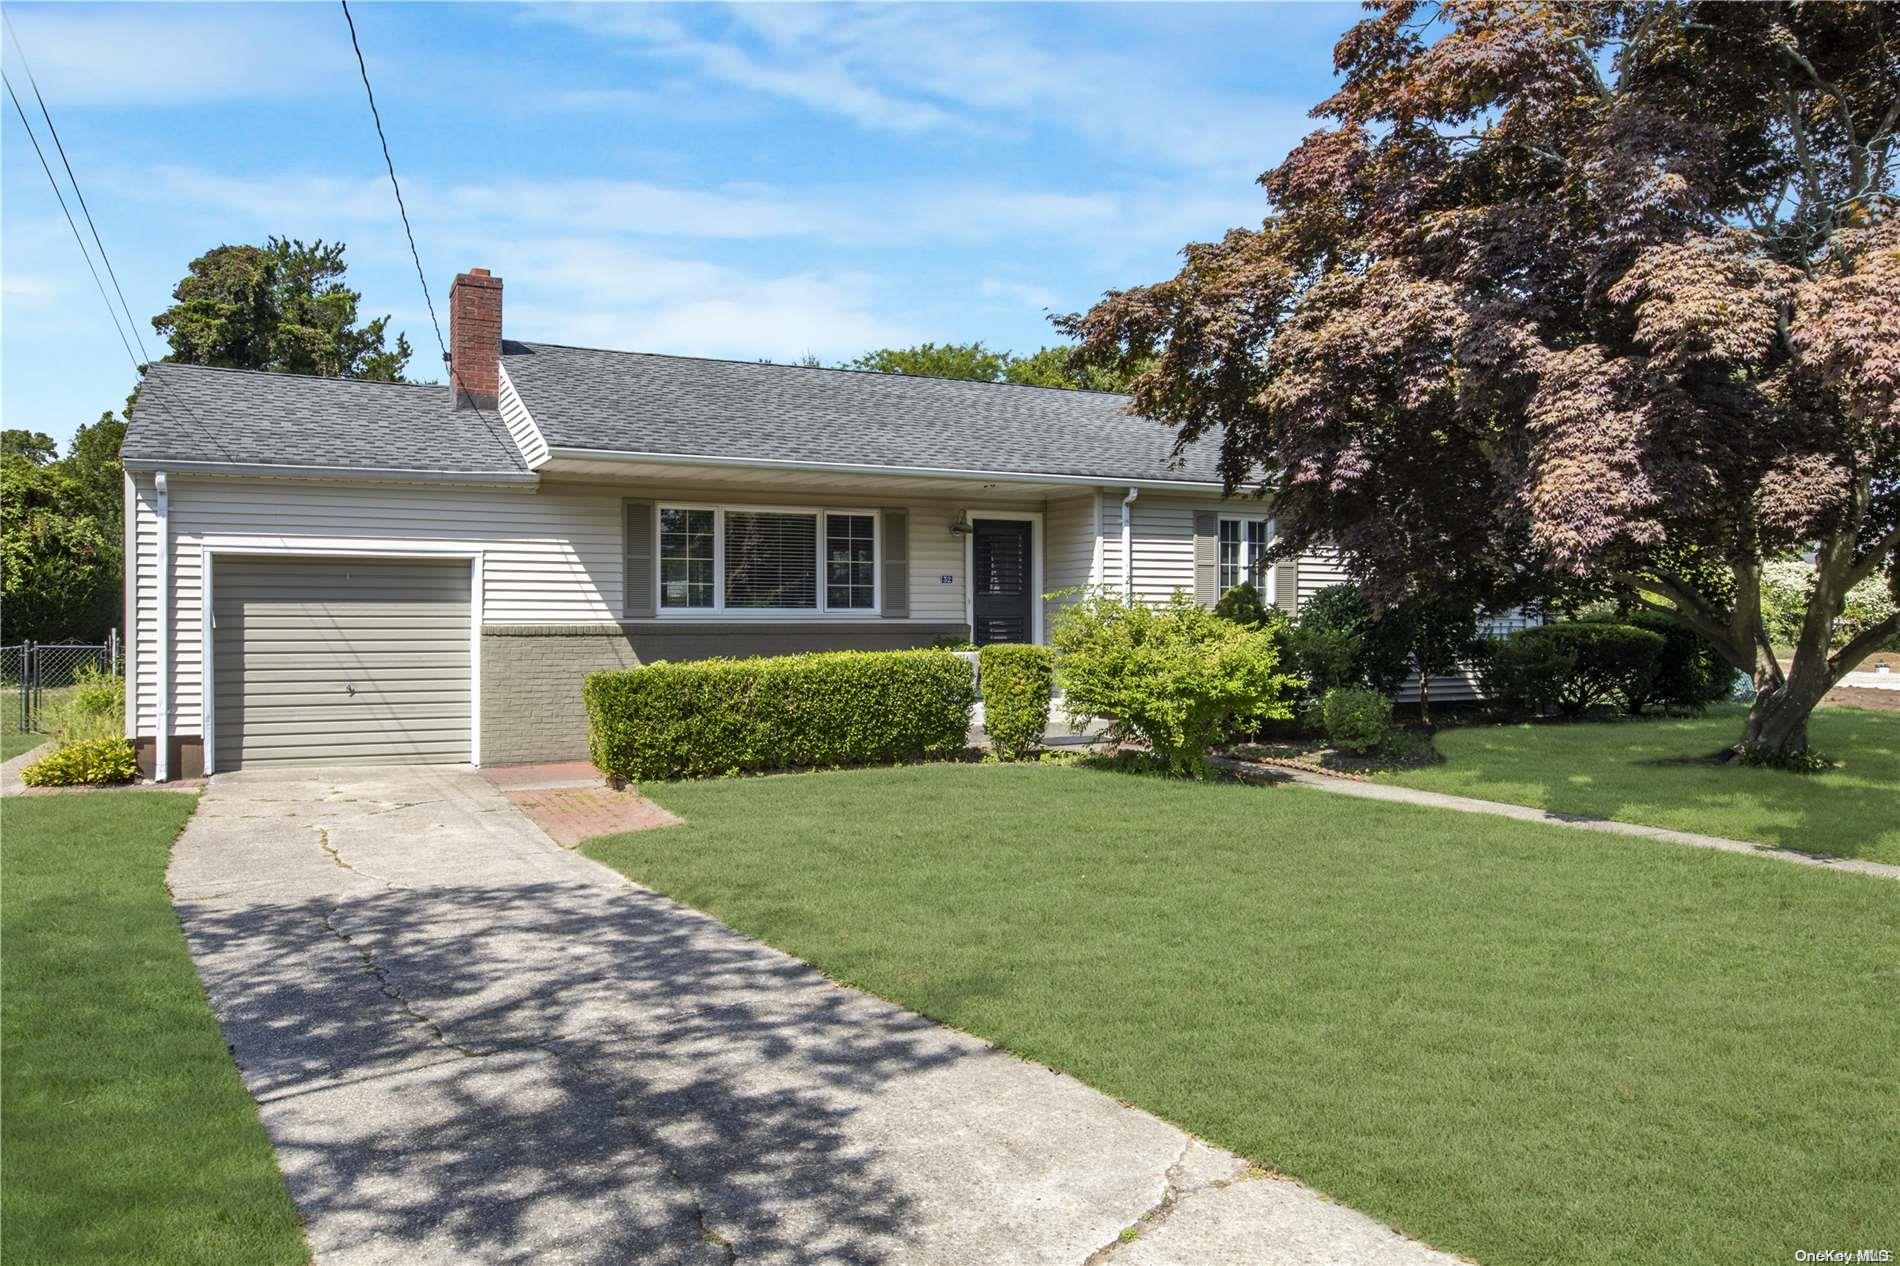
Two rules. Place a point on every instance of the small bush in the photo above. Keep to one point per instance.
(1689, 674)
(1244, 606)
(1178, 677)
(1357, 719)
(1017, 680)
(1571, 666)
(727, 716)
(94, 708)
(85, 762)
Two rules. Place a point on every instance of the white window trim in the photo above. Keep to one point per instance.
(1270, 576)
(719, 610)
(210, 551)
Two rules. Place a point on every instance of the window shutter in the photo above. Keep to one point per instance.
(896, 528)
(1206, 553)
(1286, 584)
(637, 559)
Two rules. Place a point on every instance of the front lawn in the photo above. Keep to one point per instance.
(1517, 1042)
(12, 744)
(129, 1136)
(1659, 772)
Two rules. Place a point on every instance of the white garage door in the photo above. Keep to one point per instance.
(340, 660)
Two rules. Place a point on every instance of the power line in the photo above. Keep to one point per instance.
(137, 366)
(390, 163)
(84, 209)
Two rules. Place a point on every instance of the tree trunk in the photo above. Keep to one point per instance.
(1777, 722)
(1424, 697)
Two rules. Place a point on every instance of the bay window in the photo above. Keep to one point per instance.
(767, 560)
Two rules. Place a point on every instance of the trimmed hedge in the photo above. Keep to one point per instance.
(1574, 665)
(727, 716)
(1017, 681)
(84, 762)
(1690, 673)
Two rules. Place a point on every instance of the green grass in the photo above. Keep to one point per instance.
(12, 744)
(1519, 1042)
(129, 1136)
(1656, 772)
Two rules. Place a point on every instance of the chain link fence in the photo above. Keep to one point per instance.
(33, 676)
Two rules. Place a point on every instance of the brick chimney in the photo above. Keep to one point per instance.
(475, 339)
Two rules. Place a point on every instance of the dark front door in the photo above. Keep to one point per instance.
(999, 554)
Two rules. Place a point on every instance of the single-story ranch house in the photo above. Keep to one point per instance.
(329, 570)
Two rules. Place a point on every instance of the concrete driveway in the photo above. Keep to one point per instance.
(471, 1045)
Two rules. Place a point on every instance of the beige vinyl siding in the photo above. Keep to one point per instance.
(1068, 547)
(551, 556)
(514, 414)
(1319, 568)
(341, 660)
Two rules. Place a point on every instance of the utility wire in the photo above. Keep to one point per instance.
(137, 366)
(457, 386)
(84, 209)
(390, 163)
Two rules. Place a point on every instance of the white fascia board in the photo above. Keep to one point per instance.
(855, 468)
(384, 474)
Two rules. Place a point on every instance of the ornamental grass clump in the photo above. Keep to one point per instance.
(1177, 677)
(1017, 681)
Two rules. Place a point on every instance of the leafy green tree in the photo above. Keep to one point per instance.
(61, 556)
(35, 447)
(971, 361)
(283, 307)
(1588, 293)
(1049, 367)
(1436, 634)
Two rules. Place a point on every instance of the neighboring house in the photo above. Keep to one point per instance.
(327, 570)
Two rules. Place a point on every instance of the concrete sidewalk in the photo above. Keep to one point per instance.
(471, 1045)
(1367, 790)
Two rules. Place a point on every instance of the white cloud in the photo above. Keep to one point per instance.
(987, 69)
(178, 54)
(1040, 298)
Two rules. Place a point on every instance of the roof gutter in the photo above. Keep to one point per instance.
(279, 470)
(1128, 547)
(859, 468)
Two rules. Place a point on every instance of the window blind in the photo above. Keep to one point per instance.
(771, 560)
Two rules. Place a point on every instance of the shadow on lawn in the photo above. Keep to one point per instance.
(1685, 785)
(549, 1069)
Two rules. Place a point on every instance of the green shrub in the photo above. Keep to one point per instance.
(85, 762)
(1357, 719)
(1571, 666)
(727, 716)
(1244, 606)
(1017, 680)
(1689, 674)
(94, 707)
(1338, 642)
(1178, 677)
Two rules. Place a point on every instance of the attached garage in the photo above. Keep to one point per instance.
(327, 660)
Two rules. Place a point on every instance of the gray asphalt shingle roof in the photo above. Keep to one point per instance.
(684, 406)
(639, 403)
(200, 414)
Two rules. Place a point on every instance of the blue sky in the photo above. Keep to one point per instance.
(763, 180)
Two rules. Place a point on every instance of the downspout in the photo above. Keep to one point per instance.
(162, 737)
(1128, 546)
